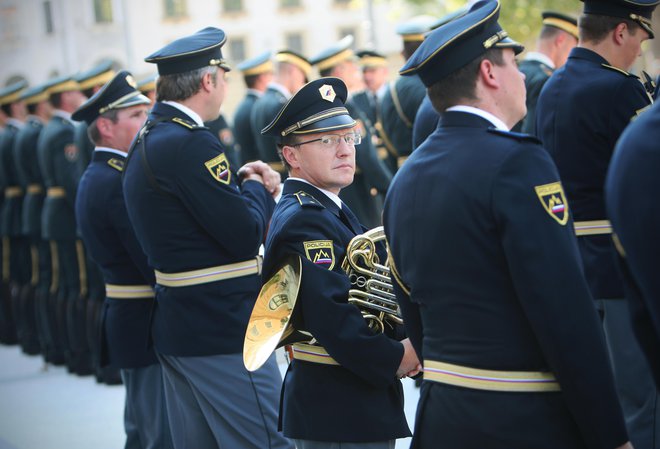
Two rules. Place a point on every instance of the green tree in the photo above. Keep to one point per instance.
(521, 18)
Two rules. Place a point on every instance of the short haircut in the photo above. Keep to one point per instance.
(595, 28)
(56, 100)
(550, 32)
(181, 86)
(409, 48)
(461, 85)
(251, 80)
(6, 108)
(289, 140)
(93, 130)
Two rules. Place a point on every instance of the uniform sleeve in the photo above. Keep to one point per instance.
(65, 168)
(122, 225)
(549, 282)
(635, 216)
(337, 325)
(236, 218)
(628, 100)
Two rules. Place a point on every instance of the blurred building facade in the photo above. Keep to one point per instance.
(43, 38)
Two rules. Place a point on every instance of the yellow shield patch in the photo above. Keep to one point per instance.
(219, 168)
(321, 253)
(554, 201)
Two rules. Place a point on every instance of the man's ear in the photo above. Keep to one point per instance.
(487, 74)
(290, 155)
(619, 33)
(104, 126)
(207, 81)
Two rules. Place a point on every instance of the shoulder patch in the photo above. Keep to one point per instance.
(219, 169)
(117, 164)
(513, 135)
(305, 200)
(320, 252)
(554, 201)
(616, 69)
(186, 123)
(71, 152)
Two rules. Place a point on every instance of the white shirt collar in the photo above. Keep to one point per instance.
(335, 199)
(186, 110)
(540, 57)
(280, 88)
(110, 150)
(15, 122)
(62, 114)
(497, 123)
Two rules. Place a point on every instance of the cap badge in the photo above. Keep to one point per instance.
(131, 81)
(327, 93)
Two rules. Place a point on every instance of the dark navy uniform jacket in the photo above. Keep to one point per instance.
(536, 75)
(85, 147)
(426, 121)
(582, 110)
(635, 216)
(10, 213)
(111, 242)
(198, 218)
(367, 103)
(361, 400)
(371, 173)
(243, 131)
(221, 129)
(264, 111)
(58, 157)
(481, 236)
(410, 92)
(27, 167)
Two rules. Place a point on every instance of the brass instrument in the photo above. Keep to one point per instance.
(371, 283)
(270, 325)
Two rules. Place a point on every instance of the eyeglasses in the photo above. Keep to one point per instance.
(332, 140)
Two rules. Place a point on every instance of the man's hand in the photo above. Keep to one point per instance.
(628, 445)
(410, 365)
(261, 172)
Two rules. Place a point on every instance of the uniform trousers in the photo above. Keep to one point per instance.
(632, 376)
(307, 444)
(214, 402)
(145, 417)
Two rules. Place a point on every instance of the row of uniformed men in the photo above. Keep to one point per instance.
(52, 293)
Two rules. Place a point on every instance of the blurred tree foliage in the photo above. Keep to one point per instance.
(521, 18)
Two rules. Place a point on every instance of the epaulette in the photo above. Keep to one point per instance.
(307, 200)
(616, 69)
(513, 135)
(187, 124)
(117, 164)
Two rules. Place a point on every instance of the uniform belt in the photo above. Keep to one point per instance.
(56, 192)
(35, 189)
(212, 274)
(479, 379)
(13, 192)
(593, 227)
(313, 354)
(129, 291)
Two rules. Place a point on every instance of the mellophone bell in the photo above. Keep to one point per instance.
(274, 322)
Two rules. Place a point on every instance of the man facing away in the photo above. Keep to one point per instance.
(488, 274)
(582, 111)
(201, 225)
(113, 116)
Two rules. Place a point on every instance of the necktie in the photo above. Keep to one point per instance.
(350, 219)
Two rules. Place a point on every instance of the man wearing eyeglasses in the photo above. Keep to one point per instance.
(344, 389)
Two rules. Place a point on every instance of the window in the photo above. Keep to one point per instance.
(289, 3)
(175, 9)
(233, 5)
(48, 17)
(103, 11)
(237, 49)
(294, 42)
